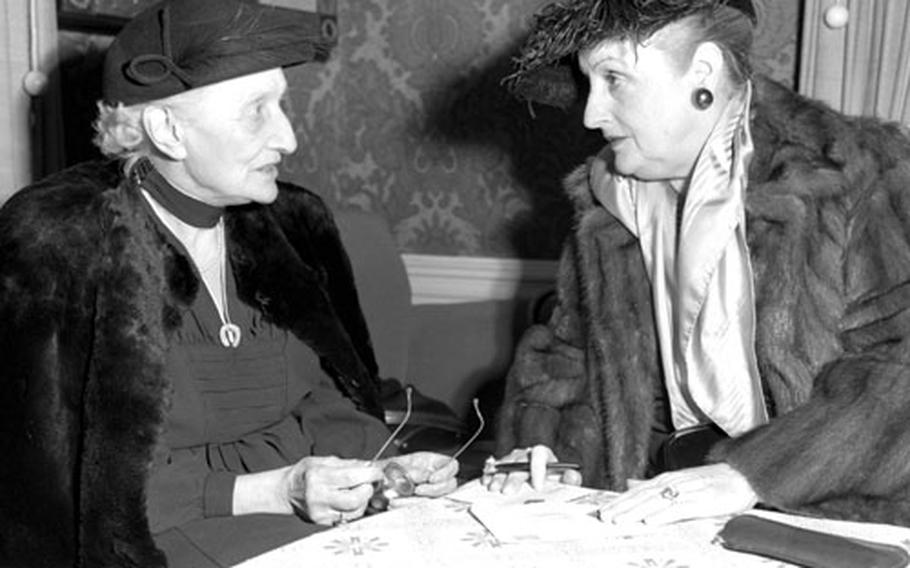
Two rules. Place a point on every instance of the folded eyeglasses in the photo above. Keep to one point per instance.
(396, 482)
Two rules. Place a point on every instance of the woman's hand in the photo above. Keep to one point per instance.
(538, 457)
(697, 492)
(432, 473)
(329, 490)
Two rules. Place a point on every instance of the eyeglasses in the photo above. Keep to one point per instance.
(395, 477)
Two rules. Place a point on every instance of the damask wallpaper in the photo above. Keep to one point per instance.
(408, 119)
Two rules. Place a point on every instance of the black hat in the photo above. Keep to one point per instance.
(562, 29)
(179, 45)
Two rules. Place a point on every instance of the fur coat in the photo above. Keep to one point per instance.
(90, 293)
(828, 227)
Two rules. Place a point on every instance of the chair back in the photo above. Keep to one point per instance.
(382, 286)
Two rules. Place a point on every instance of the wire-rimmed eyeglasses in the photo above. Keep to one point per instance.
(396, 479)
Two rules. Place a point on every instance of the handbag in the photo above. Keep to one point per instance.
(804, 547)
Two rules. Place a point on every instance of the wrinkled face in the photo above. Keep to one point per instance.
(640, 100)
(235, 133)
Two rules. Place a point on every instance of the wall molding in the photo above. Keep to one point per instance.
(438, 279)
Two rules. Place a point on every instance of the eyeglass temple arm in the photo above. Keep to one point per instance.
(394, 434)
(476, 432)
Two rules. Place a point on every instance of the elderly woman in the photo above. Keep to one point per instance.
(736, 282)
(182, 349)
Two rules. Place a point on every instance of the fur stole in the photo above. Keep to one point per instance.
(90, 291)
(826, 209)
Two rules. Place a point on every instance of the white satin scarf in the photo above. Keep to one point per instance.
(701, 282)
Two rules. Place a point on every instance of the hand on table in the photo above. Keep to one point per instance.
(538, 457)
(329, 490)
(432, 474)
(692, 493)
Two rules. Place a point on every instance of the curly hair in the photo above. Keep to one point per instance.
(119, 133)
(565, 28)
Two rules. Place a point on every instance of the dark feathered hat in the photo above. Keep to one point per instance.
(563, 29)
(178, 45)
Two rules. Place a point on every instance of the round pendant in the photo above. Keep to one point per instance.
(230, 335)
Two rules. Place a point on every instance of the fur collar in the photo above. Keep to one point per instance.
(88, 244)
(814, 178)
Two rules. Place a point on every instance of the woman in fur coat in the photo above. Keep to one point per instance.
(738, 271)
(187, 376)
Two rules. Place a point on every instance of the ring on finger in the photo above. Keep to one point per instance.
(669, 493)
(340, 520)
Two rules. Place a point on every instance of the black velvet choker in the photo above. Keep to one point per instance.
(189, 210)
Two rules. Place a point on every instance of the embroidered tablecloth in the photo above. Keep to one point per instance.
(443, 533)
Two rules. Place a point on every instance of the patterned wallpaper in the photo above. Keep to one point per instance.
(408, 119)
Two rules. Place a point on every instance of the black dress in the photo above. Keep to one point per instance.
(263, 405)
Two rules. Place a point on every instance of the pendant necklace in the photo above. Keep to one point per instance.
(229, 333)
(197, 214)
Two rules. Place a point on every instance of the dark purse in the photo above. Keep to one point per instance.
(804, 547)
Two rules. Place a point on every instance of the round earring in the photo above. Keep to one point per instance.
(702, 98)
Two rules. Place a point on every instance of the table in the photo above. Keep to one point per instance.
(445, 533)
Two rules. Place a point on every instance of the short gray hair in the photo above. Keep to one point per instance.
(119, 133)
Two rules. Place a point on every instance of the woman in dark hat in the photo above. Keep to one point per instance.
(182, 349)
(735, 284)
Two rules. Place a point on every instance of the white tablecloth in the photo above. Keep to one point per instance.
(441, 533)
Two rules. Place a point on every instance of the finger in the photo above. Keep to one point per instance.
(518, 454)
(349, 475)
(672, 513)
(489, 467)
(571, 477)
(648, 497)
(444, 471)
(350, 462)
(438, 461)
(350, 499)
(324, 515)
(497, 482)
(485, 480)
(624, 503)
(436, 489)
(427, 467)
(688, 504)
(356, 513)
(539, 456)
(413, 475)
(643, 509)
(631, 500)
(413, 460)
(514, 482)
